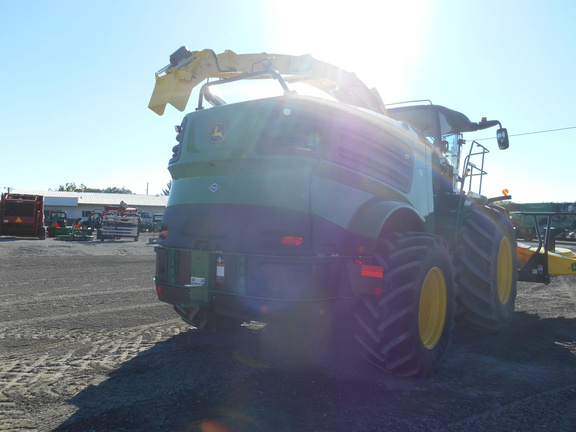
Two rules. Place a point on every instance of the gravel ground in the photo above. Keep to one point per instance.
(86, 346)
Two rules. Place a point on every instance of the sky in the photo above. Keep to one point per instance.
(77, 78)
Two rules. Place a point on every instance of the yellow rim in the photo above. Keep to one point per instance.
(432, 308)
(505, 271)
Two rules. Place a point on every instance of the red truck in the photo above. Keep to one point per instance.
(22, 215)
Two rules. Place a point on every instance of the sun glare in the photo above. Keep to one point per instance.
(379, 41)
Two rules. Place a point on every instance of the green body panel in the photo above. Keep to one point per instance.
(244, 175)
(242, 182)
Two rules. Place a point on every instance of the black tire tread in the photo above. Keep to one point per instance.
(387, 326)
(476, 269)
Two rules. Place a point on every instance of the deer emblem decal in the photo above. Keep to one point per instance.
(217, 133)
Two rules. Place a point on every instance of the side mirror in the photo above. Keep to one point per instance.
(502, 137)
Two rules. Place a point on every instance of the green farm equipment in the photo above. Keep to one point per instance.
(94, 220)
(75, 232)
(329, 210)
(56, 220)
(156, 222)
(526, 225)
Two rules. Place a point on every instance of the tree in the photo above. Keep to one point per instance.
(71, 187)
(508, 205)
(168, 188)
(117, 190)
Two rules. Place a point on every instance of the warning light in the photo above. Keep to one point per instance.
(263, 308)
(158, 289)
(505, 192)
(164, 234)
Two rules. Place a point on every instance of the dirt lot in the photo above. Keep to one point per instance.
(86, 346)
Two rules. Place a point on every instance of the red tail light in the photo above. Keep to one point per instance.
(372, 271)
(164, 233)
(292, 240)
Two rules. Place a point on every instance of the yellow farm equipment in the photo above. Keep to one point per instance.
(538, 263)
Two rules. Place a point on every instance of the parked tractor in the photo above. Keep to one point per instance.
(56, 220)
(22, 215)
(94, 221)
(329, 210)
(156, 222)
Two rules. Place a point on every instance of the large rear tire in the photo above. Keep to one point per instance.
(405, 327)
(486, 269)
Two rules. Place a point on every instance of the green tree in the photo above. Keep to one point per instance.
(117, 190)
(71, 187)
(168, 188)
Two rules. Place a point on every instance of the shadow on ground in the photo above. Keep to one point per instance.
(253, 381)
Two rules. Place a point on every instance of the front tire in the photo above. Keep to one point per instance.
(42, 233)
(405, 327)
(486, 271)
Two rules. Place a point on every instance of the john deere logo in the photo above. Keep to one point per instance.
(217, 133)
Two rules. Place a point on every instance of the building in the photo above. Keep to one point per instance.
(82, 204)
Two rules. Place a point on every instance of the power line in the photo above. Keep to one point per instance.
(532, 133)
(544, 131)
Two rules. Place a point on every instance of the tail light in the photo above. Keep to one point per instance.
(372, 271)
(292, 240)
